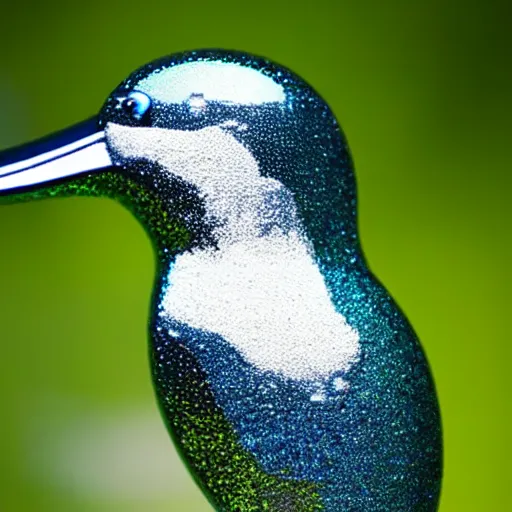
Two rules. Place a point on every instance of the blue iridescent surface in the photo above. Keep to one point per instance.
(288, 377)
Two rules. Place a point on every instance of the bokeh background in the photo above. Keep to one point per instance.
(423, 92)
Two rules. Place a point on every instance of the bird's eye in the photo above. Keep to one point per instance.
(136, 104)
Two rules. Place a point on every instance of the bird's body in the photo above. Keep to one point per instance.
(289, 379)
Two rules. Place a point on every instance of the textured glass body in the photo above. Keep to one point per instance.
(288, 378)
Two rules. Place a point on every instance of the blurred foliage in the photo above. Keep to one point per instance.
(423, 92)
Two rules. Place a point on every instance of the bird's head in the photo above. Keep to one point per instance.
(212, 139)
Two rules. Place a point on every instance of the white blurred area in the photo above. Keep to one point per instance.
(114, 459)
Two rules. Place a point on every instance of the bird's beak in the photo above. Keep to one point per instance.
(77, 150)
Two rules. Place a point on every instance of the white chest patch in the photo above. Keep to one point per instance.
(268, 299)
(261, 289)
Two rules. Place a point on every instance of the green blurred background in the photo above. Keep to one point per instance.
(423, 92)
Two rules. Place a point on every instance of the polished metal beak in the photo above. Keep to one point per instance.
(77, 150)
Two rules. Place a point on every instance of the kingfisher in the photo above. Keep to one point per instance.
(288, 378)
